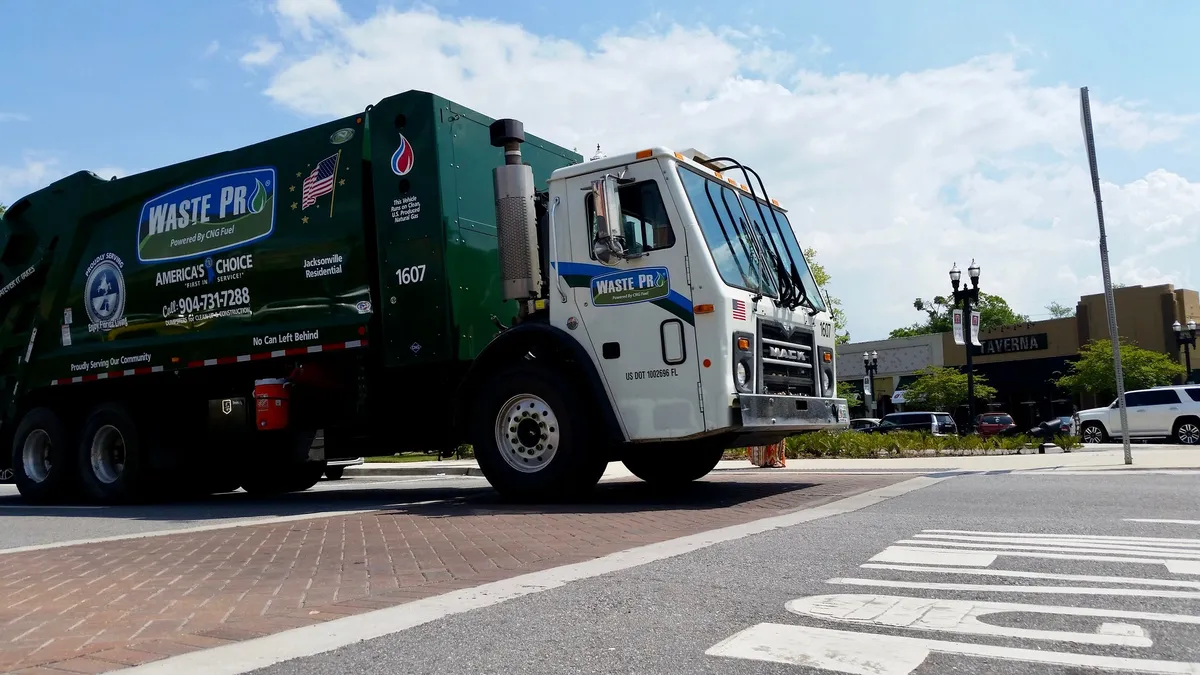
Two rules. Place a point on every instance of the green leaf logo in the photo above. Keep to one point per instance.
(259, 200)
(661, 280)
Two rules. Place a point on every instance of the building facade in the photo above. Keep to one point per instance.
(1022, 362)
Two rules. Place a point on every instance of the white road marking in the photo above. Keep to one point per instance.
(927, 556)
(1067, 541)
(1072, 548)
(249, 655)
(1183, 566)
(963, 616)
(1060, 536)
(1162, 520)
(878, 654)
(1013, 574)
(1010, 588)
(216, 526)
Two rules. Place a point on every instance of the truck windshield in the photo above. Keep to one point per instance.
(736, 235)
(735, 249)
(777, 223)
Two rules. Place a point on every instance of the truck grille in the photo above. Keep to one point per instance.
(785, 360)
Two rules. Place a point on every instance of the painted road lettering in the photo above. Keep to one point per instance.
(973, 553)
(654, 374)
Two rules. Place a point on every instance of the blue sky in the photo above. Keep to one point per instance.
(135, 84)
(118, 83)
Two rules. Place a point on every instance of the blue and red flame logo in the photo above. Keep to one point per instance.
(403, 159)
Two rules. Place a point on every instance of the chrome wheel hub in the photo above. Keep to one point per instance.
(108, 454)
(35, 455)
(527, 433)
(1092, 434)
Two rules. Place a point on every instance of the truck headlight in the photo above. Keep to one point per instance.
(741, 373)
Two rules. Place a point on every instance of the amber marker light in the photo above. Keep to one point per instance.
(703, 309)
(743, 344)
(644, 154)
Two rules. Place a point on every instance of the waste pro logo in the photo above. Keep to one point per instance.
(403, 159)
(214, 214)
(633, 286)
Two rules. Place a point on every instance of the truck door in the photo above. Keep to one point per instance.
(637, 313)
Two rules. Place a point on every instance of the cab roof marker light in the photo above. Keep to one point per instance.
(643, 154)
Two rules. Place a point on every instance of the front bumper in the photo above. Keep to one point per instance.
(345, 462)
(790, 413)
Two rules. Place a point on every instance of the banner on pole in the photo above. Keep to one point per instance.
(975, 328)
(956, 319)
(867, 385)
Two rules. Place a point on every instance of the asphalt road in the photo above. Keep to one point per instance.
(996, 538)
(23, 525)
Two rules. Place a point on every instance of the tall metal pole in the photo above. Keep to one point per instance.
(1085, 118)
(970, 366)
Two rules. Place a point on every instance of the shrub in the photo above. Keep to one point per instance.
(853, 444)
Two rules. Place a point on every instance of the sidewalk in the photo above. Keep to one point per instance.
(1088, 458)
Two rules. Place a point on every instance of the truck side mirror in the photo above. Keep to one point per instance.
(609, 243)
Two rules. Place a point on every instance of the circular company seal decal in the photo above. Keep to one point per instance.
(105, 301)
(341, 136)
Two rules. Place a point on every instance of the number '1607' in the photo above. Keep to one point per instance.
(410, 275)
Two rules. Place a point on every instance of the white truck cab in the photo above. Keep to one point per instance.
(685, 283)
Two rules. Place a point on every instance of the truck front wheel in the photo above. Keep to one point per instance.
(110, 455)
(43, 460)
(533, 436)
(675, 467)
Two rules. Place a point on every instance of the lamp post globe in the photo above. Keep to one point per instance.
(973, 272)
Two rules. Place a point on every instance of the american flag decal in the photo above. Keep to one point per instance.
(739, 310)
(319, 182)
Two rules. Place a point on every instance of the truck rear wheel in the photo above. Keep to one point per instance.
(533, 436)
(43, 460)
(110, 455)
(677, 467)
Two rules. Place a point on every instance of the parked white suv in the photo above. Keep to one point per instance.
(1161, 412)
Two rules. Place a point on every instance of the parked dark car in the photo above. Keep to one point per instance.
(990, 424)
(936, 423)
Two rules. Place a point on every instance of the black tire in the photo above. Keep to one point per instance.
(59, 478)
(111, 466)
(1187, 431)
(569, 468)
(1092, 432)
(280, 480)
(334, 472)
(675, 467)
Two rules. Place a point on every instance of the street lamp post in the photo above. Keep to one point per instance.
(1187, 340)
(870, 368)
(965, 297)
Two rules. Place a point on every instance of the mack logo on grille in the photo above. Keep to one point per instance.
(786, 354)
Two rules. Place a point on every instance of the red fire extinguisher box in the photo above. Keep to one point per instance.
(271, 404)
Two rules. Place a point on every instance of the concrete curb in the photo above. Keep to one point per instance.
(399, 469)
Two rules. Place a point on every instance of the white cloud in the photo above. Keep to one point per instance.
(212, 48)
(304, 15)
(32, 174)
(36, 172)
(264, 53)
(817, 47)
(890, 178)
(13, 117)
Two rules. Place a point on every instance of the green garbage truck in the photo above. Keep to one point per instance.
(413, 277)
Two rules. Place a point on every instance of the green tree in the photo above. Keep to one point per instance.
(994, 312)
(846, 390)
(1060, 311)
(840, 335)
(943, 388)
(3, 208)
(1094, 373)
